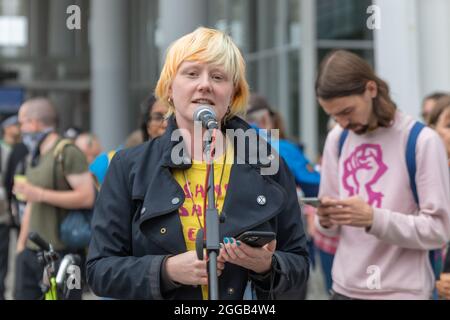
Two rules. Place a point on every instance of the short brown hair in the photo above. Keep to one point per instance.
(41, 109)
(442, 104)
(342, 73)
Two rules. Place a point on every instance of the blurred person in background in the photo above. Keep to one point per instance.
(72, 133)
(429, 102)
(135, 138)
(89, 144)
(50, 188)
(439, 120)
(261, 116)
(154, 121)
(153, 124)
(10, 136)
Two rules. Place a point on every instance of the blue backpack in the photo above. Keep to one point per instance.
(410, 156)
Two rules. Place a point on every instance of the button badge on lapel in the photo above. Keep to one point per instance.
(261, 200)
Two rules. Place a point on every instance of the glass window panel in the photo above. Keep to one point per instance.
(294, 22)
(343, 19)
(267, 24)
(238, 23)
(252, 74)
(13, 31)
(14, 28)
(269, 78)
(294, 94)
(217, 14)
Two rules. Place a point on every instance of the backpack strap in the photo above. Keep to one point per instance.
(58, 155)
(58, 152)
(435, 256)
(342, 139)
(411, 157)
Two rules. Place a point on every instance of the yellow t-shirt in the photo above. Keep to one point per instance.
(196, 175)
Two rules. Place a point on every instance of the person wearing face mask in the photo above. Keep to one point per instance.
(439, 120)
(151, 205)
(384, 187)
(49, 189)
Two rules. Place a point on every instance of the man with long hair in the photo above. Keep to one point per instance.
(389, 214)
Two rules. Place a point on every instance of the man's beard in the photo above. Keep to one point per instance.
(361, 129)
(358, 129)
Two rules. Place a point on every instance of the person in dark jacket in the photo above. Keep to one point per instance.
(151, 204)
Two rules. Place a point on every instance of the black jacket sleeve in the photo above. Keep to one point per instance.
(290, 269)
(111, 269)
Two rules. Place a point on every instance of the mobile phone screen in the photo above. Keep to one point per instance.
(256, 238)
(314, 202)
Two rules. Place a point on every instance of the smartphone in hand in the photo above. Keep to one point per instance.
(314, 202)
(256, 238)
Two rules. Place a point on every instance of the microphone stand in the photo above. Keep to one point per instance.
(212, 230)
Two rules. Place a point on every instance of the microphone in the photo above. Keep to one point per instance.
(207, 116)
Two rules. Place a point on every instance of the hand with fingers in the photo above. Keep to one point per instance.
(353, 211)
(443, 286)
(185, 268)
(29, 191)
(258, 260)
(323, 214)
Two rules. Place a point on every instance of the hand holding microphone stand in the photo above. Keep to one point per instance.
(207, 116)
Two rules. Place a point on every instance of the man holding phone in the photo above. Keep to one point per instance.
(388, 219)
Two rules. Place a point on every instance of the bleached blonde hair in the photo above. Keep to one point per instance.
(207, 46)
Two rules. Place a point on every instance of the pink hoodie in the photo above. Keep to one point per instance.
(389, 261)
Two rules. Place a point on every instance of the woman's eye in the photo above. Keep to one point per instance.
(218, 77)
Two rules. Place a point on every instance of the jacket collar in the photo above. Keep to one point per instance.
(250, 156)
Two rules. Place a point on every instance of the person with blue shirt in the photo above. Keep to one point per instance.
(261, 116)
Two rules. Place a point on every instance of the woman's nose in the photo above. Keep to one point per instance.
(204, 83)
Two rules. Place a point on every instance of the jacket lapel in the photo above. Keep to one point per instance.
(163, 197)
(251, 200)
(159, 218)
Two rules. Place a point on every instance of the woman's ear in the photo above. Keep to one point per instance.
(372, 88)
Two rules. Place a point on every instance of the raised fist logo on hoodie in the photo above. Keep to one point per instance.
(362, 170)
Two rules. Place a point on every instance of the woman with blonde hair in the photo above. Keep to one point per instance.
(152, 203)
